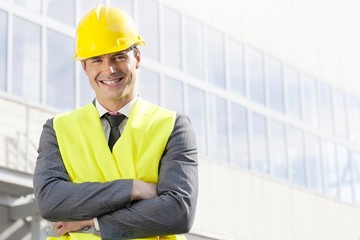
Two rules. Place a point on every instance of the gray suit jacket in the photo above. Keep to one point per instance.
(171, 212)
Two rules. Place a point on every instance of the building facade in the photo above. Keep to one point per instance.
(271, 88)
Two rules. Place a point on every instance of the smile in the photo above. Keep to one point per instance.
(111, 82)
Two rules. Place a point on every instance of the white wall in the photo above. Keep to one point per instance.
(236, 204)
(320, 37)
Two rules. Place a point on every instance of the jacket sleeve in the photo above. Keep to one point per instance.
(173, 210)
(58, 199)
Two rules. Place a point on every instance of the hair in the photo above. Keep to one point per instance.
(135, 49)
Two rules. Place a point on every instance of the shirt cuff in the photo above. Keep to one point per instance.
(96, 224)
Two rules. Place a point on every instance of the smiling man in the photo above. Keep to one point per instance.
(119, 167)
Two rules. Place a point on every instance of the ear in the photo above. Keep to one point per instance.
(138, 59)
(83, 64)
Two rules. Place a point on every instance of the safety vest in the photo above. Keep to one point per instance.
(136, 154)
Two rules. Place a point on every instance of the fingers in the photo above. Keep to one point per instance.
(61, 228)
(143, 190)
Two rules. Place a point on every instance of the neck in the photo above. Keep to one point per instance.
(113, 106)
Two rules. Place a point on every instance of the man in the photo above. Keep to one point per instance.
(143, 184)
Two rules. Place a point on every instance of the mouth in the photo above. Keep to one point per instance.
(112, 82)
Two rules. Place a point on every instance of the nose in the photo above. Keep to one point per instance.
(109, 67)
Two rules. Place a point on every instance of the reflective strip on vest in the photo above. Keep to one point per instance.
(80, 136)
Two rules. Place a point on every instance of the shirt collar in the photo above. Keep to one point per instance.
(125, 110)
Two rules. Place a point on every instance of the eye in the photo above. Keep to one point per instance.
(96, 60)
(120, 57)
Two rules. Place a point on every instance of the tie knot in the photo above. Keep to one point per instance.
(114, 120)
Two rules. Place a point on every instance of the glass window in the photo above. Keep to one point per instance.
(296, 156)
(126, 5)
(292, 90)
(149, 85)
(356, 163)
(3, 52)
(86, 93)
(340, 114)
(87, 5)
(196, 111)
(194, 48)
(148, 12)
(259, 150)
(215, 58)
(276, 85)
(32, 5)
(218, 137)
(26, 60)
(239, 136)
(173, 94)
(313, 160)
(61, 10)
(330, 169)
(325, 109)
(256, 75)
(236, 67)
(60, 81)
(309, 100)
(172, 38)
(345, 174)
(354, 120)
(278, 150)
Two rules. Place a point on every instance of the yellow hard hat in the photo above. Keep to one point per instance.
(105, 30)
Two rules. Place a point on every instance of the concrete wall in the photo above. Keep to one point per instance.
(236, 204)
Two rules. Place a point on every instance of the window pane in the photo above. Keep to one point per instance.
(239, 136)
(62, 11)
(216, 58)
(26, 60)
(173, 94)
(196, 111)
(60, 71)
(148, 12)
(256, 76)
(87, 5)
(330, 169)
(86, 92)
(193, 48)
(325, 109)
(292, 89)
(126, 5)
(236, 67)
(346, 191)
(313, 159)
(149, 85)
(309, 100)
(258, 144)
(296, 156)
(278, 150)
(340, 116)
(3, 52)
(275, 83)
(172, 50)
(32, 5)
(356, 162)
(354, 120)
(218, 137)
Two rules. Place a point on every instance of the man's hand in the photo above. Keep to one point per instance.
(63, 228)
(143, 190)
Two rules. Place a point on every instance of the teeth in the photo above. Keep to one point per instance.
(111, 82)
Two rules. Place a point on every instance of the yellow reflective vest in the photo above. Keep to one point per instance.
(136, 154)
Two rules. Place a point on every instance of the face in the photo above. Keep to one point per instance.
(113, 77)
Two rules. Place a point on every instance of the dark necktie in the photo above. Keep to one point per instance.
(114, 121)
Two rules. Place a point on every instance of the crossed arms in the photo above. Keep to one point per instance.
(122, 206)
